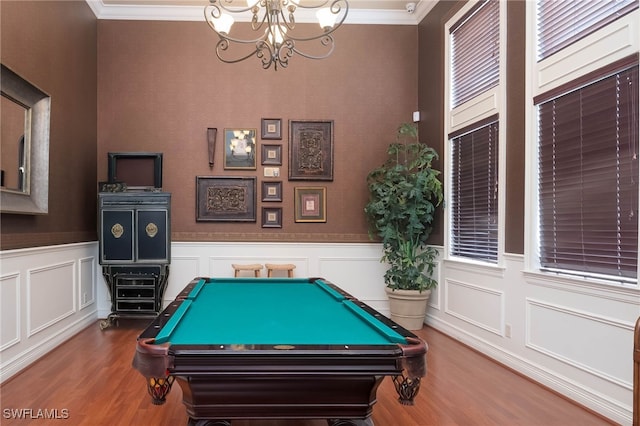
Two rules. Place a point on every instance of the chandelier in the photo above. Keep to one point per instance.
(274, 23)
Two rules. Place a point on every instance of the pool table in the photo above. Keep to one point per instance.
(276, 348)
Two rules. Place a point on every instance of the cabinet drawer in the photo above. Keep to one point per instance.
(136, 292)
(136, 281)
(135, 305)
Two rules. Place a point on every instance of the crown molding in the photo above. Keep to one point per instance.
(196, 13)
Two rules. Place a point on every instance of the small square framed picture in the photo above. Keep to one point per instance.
(310, 204)
(271, 128)
(271, 155)
(272, 217)
(272, 191)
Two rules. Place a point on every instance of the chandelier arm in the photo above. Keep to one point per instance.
(325, 41)
(255, 26)
(289, 23)
(226, 36)
(223, 45)
(268, 58)
(333, 29)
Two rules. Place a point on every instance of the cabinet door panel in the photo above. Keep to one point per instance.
(152, 235)
(117, 236)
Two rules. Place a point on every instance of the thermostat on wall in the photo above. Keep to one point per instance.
(271, 171)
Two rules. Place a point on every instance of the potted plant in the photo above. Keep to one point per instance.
(403, 196)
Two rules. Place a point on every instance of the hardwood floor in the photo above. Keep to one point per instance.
(90, 378)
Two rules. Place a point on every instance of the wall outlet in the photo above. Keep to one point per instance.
(507, 331)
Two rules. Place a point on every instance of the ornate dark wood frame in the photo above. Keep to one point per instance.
(311, 150)
(272, 191)
(233, 198)
(276, 155)
(272, 222)
(267, 133)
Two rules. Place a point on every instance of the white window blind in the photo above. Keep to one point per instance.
(475, 52)
(563, 22)
(474, 192)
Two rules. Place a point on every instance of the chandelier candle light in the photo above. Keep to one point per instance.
(275, 24)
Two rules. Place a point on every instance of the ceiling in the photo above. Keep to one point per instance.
(388, 12)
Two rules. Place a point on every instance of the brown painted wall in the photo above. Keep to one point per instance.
(158, 86)
(431, 94)
(431, 91)
(52, 44)
(515, 111)
(161, 86)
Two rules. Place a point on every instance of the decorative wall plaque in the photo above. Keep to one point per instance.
(311, 150)
(226, 199)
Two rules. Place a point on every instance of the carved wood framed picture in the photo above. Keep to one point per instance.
(272, 191)
(272, 217)
(225, 199)
(311, 150)
(271, 155)
(310, 204)
(271, 128)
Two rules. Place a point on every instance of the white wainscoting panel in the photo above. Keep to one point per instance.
(9, 310)
(181, 266)
(354, 274)
(48, 294)
(485, 312)
(86, 285)
(549, 324)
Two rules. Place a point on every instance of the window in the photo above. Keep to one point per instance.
(588, 177)
(474, 194)
(473, 131)
(587, 138)
(475, 52)
(561, 23)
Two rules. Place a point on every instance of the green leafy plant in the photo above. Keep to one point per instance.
(403, 195)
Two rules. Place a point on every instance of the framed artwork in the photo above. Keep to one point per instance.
(271, 155)
(272, 217)
(240, 149)
(272, 191)
(310, 204)
(311, 150)
(225, 199)
(271, 128)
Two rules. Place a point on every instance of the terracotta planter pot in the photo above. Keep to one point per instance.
(408, 307)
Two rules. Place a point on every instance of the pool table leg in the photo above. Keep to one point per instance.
(350, 422)
(407, 388)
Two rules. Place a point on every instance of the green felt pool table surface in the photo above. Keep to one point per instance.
(276, 348)
(272, 311)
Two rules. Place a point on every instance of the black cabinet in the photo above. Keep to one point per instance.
(135, 250)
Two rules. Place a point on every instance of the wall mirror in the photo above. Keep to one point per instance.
(25, 114)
